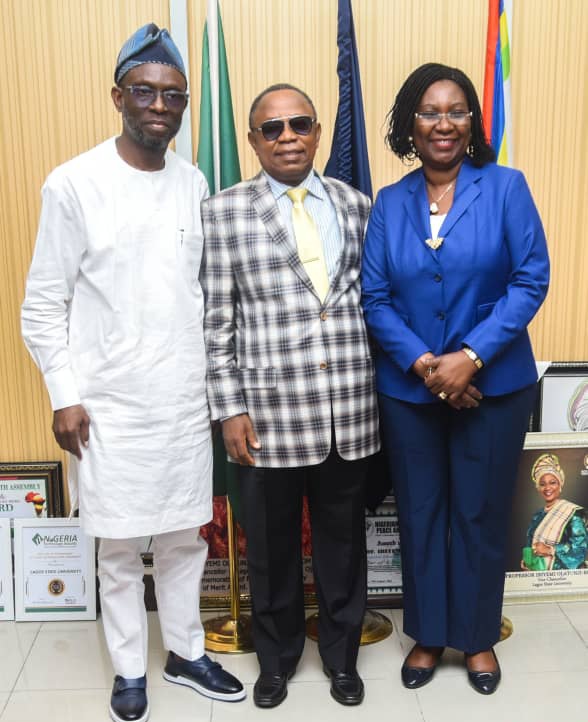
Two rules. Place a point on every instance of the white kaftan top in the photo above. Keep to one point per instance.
(113, 318)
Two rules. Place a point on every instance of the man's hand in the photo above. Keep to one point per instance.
(239, 437)
(71, 427)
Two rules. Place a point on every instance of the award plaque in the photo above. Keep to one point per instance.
(31, 489)
(6, 594)
(54, 570)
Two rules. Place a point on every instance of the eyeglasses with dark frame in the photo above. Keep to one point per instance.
(432, 117)
(273, 128)
(145, 95)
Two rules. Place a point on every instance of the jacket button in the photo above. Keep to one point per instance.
(441, 316)
(438, 277)
(324, 316)
(323, 365)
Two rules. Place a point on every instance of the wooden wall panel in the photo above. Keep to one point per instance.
(550, 78)
(58, 57)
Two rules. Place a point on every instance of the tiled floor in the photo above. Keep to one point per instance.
(60, 672)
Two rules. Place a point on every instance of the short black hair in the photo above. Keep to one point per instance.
(400, 118)
(273, 88)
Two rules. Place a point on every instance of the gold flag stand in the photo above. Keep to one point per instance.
(506, 628)
(230, 633)
(375, 628)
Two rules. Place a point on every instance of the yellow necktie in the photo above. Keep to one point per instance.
(308, 242)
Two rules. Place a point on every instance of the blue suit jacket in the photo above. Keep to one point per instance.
(481, 288)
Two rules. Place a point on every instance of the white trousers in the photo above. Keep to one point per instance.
(178, 564)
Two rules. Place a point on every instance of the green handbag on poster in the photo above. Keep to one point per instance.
(532, 561)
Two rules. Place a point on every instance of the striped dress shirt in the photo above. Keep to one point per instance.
(318, 204)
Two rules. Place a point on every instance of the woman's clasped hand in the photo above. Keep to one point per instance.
(450, 375)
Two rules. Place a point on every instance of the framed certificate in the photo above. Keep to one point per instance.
(562, 401)
(383, 555)
(54, 571)
(6, 592)
(32, 490)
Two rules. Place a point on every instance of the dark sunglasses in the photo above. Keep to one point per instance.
(145, 95)
(272, 129)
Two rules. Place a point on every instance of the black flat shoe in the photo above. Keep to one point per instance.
(346, 687)
(271, 688)
(485, 682)
(415, 677)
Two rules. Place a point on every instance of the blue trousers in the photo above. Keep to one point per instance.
(454, 473)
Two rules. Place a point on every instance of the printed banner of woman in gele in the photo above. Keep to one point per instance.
(549, 534)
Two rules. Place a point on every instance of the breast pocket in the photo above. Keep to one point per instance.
(189, 245)
(484, 310)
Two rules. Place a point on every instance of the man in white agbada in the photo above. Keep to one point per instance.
(113, 318)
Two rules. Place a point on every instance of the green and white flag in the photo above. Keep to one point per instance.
(218, 157)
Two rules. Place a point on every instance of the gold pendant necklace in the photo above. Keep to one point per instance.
(434, 243)
(434, 205)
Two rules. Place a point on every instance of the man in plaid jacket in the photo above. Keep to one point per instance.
(290, 377)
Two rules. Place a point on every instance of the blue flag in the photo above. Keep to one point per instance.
(349, 160)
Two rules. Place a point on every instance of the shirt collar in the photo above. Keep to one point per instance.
(311, 182)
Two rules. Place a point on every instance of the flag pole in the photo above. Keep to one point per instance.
(497, 112)
(349, 162)
(230, 633)
(218, 159)
(178, 25)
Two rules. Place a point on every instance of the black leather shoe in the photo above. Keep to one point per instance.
(346, 687)
(205, 676)
(128, 702)
(485, 682)
(271, 688)
(415, 677)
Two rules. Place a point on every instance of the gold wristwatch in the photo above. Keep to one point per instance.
(473, 355)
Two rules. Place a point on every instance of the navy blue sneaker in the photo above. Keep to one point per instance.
(128, 702)
(205, 676)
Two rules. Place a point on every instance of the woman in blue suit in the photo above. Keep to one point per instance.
(455, 268)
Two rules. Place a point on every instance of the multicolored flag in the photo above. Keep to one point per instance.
(218, 159)
(349, 159)
(497, 109)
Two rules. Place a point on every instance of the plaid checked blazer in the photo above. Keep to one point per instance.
(274, 351)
